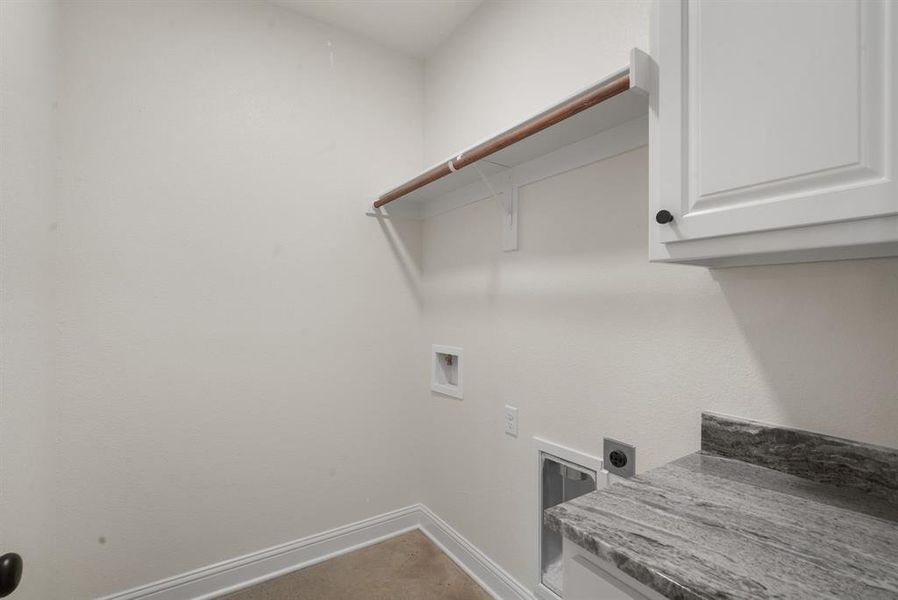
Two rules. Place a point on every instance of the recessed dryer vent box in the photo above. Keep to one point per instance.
(446, 373)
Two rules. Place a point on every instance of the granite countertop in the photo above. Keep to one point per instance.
(724, 527)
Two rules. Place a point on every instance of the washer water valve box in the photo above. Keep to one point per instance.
(446, 370)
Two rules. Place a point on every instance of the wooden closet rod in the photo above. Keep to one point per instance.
(554, 115)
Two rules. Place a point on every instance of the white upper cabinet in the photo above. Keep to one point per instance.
(773, 131)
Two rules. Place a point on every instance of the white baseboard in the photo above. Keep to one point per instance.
(487, 573)
(235, 574)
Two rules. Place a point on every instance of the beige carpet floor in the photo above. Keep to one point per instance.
(406, 567)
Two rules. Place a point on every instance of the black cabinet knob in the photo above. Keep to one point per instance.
(10, 573)
(663, 217)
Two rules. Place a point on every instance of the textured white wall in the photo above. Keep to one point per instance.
(231, 336)
(511, 59)
(236, 359)
(28, 37)
(585, 336)
(588, 339)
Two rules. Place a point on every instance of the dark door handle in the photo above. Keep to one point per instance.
(10, 573)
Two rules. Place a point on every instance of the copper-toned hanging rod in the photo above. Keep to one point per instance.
(554, 115)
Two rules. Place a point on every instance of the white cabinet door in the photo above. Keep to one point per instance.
(587, 577)
(771, 116)
(584, 581)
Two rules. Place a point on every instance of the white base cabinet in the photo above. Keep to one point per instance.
(773, 129)
(587, 577)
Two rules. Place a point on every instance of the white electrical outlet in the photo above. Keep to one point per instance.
(511, 420)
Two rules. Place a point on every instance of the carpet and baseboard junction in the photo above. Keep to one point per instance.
(458, 570)
(406, 567)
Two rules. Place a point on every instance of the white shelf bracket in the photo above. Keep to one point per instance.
(642, 70)
(510, 224)
(374, 212)
(508, 201)
(392, 213)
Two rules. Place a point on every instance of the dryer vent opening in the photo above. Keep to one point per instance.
(560, 481)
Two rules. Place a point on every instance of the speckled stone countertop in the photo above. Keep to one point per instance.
(708, 526)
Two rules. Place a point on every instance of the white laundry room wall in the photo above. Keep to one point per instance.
(578, 330)
(231, 335)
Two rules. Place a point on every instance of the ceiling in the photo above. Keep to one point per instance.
(416, 27)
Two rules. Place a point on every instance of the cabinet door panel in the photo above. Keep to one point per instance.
(745, 132)
(773, 115)
(581, 582)
(587, 577)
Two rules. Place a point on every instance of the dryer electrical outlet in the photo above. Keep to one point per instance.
(620, 458)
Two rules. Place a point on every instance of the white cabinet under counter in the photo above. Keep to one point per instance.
(587, 577)
(773, 129)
